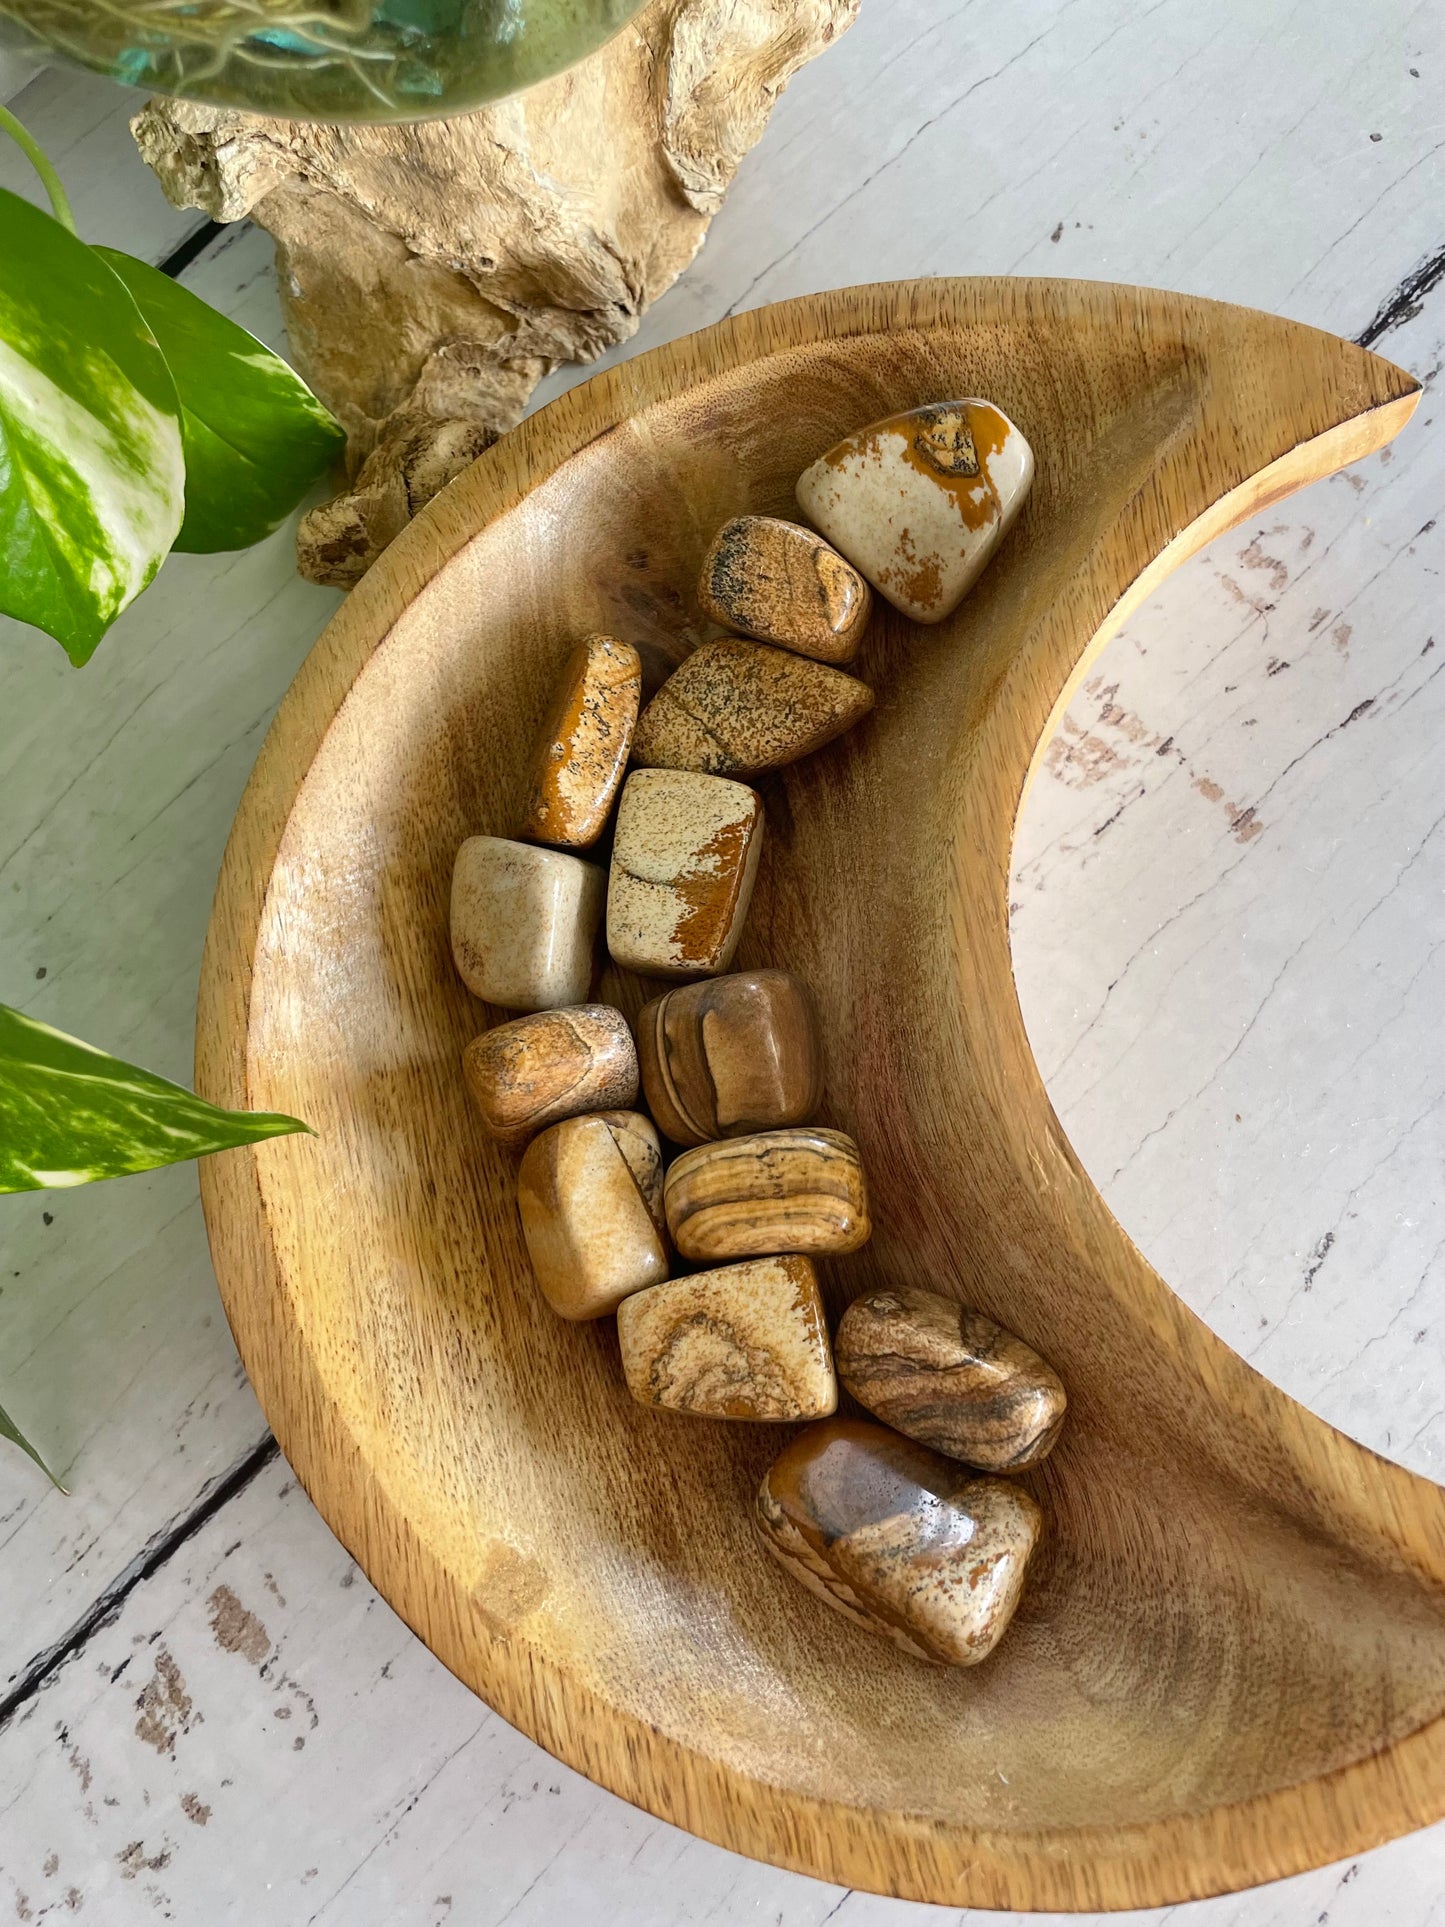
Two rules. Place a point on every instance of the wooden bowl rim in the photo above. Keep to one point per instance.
(1185, 1856)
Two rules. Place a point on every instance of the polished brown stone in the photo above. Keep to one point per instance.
(735, 707)
(582, 755)
(901, 1541)
(730, 1055)
(950, 1378)
(684, 860)
(590, 1195)
(796, 1190)
(550, 1065)
(781, 583)
(746, 1341)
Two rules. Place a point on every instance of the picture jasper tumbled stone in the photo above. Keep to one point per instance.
(523, 923)
(684, 859)
(746, 1341)
(590, 1195)
(579, 763)
(783, 584)
(901, 1541)
(799, 1190)
(921, 500)
(950, 1378)
(730, 1055)
(553, 1064)
(735, 708)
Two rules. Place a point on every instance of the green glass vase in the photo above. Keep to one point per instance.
(326, 60)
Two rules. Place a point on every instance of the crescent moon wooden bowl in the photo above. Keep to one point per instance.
(1231, 1664)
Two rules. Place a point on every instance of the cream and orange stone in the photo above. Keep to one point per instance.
(921, 500)
(552, 1064)
(580, 761)
(590, 1195)
(898, 1540)
(735, 707)
(783, 584)
(684, 860)
(745, 1341)
(523, 923)
(798, 1190)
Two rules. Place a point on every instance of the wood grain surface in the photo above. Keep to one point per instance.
(1232, 1661)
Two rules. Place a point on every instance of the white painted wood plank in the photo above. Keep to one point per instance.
(82, 123)
(1223, 149)
(1262, 185)
(257, 1741)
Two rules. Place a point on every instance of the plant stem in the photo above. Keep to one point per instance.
(38, 159)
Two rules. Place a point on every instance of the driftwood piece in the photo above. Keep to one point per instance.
(432, 274)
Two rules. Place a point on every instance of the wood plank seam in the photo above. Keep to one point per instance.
(162, 1548)
(195, 243)
(1405, 301)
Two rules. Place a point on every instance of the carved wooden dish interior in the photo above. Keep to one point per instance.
(1231, 1662)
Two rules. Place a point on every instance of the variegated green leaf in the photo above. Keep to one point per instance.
(92, 477)
(69, 1114)
(10, 1430)
(255, 436)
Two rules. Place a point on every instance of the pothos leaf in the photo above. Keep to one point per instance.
(10, 1430)
(91, 469)
(255, 436)
(69, 1114)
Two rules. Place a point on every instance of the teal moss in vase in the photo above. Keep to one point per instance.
(326, 60)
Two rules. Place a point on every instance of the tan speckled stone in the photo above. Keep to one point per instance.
(589, 1194)
(553, 1064)
(737, 707)
(783, 584)
(921, 501)
(900, 1541)
(683, 863)
(950, 1378)
(744, 1342)
(580, 760)
(523, 922)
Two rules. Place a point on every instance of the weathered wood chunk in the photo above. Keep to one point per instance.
(745, 1341)
(579, 764)
(731, 1055)
(898, 1540)
(590, 1194)
(735, 707)
(432, 273)
(684, 859)
(797, 1190)
(550, 1065)
(523, 923)
(782, 583)
(921, 501)
(950, 1378)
